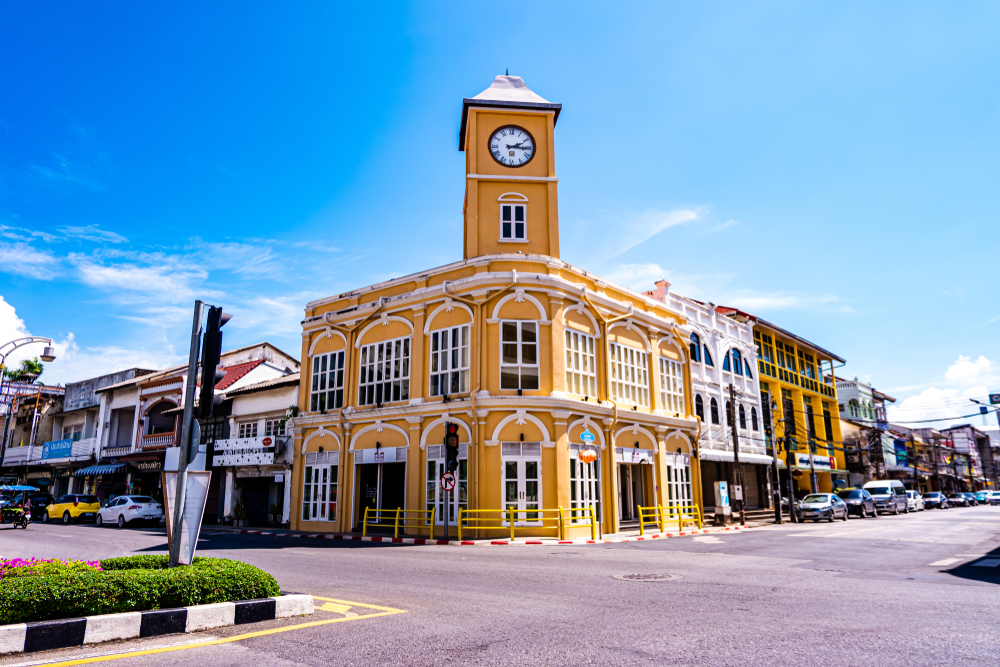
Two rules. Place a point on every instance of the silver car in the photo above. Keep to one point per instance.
(124, 510)
(914, 502)
(819, 506)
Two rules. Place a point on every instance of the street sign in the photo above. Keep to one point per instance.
(448, 481)
(588, 437)
(994, 399)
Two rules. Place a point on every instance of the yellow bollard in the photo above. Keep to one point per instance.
(395, 532)
(562, 525)
(459, 523)
(660, 521)
(364, 524)
(434, 517)
(512, 525)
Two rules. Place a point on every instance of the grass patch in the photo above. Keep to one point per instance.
(131, 583)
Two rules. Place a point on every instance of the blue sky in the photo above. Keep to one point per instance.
(831, 167)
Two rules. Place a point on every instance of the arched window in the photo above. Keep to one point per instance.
(753, 419)
(699, 407)
(729, 413)
(746, 369)
(695, 345)
(737, 362)
(725, 362)
(708, 356)
(852, 408)
(715, 411)
(743, 418)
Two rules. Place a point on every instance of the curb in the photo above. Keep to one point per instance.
(70, 632)
(486, 542)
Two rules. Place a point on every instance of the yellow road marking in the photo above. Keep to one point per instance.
(383, 611)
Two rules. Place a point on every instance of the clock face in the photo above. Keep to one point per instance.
(512, 146)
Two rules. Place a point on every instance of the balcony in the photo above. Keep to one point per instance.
(116, 451)
(156, 441)
(20, 455)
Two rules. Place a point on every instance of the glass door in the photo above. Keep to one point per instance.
(438, 498)
(522, 490)
(584, 488)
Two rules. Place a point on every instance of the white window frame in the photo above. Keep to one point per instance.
(247, 429)
(671, 385)
(514, 206)
(435, 496)
(450, 360)
(372, 374)
(521, 454)
(74, 431)
(581, 363)
(584, 481)
(629, 375)
(327, 382)
(678, 482)
(319, 492)
(520, 365)
(274, 427)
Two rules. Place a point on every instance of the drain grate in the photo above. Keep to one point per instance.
(645, 577)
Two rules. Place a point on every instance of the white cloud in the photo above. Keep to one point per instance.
(158, 276)
(93, 233)
(67, 174)
(73, 364)
(966, 378)
(638, 230)
(23, 260)
(965, 371)
(753, 301)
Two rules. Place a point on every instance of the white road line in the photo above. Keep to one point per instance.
(945, 561)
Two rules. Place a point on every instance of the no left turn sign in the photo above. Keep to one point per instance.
(448, 481)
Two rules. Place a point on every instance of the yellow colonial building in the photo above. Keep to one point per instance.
(797, 380)
(567, 391)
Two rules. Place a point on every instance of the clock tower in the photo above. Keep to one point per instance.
(510, 186)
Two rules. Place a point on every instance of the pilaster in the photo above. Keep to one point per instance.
(558, 346)
(415, 465)
(561, 454)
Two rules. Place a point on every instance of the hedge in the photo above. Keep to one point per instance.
(132, 583)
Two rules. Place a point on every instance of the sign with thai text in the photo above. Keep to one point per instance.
(242, 452)
(57, 449)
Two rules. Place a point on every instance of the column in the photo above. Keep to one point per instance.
(227, 509)
(561, 420)
(415, 465)
(293, 478)
(481, 500)
(286, 503)
(558, 346)
(654, 371)
(661, 466)
(418, 378)
(612, 501)
(345, 493)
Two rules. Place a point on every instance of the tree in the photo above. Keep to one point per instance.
(28, 372)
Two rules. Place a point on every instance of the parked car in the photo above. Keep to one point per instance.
(914, 501)
(124, 510)
(982, 497)
(818, 506)
(958, 500)
(971, 497)
(859, 502)
(72, 507)
(889, 495)
(994, 498)
(936, 499)
(39, 501)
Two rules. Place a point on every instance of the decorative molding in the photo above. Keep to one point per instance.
(520, 296)
(319, 433)
(512, 196)
(448, 306)
(328, 332)
(635, 430)
(383, 321)
(508, 177)
(586, 423)
(630, 325)
(442, 420)
(379, 427)
(580, 309)
(521, 417)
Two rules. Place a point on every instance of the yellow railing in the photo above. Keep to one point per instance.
(397, 518)
(660, 516)
(552, 519)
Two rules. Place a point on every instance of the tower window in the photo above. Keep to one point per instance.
(512, 222)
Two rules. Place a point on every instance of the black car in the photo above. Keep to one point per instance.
(958, 499)
(39, 501)
(936, 499)
(859, 502)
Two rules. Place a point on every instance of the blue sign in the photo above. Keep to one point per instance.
(587, 437)
(57, 449)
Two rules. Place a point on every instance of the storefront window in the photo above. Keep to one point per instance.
(319, 493)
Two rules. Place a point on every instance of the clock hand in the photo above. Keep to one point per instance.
(518, 145)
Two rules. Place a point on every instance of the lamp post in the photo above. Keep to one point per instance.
(48, 354)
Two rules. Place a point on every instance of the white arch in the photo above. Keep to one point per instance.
(635, 429)
(680, 434)
(448, 305)
(512, 196)
(520, 296)
(586, 422)
(671, 340)
(521, 416)
(327, 333)
(378, 426)
(631, 326)
(580, 309)
(384, 321)
(319, 433)
(442, 420)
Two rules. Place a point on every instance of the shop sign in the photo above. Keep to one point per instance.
(148, 466)
(822, 462)
(380, 455)
(587, 437)
(628, 455)
(57, 449)
(243, 452)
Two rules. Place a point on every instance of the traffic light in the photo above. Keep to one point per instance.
(211, 352)
(451, 446)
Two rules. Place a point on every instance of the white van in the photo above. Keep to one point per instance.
(889, 495)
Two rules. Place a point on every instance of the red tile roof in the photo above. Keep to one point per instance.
(235, 372)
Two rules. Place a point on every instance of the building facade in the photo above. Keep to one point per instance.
(565, 390)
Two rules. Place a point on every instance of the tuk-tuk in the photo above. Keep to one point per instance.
(15, 515)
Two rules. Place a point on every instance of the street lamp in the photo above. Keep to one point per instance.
(48, 354)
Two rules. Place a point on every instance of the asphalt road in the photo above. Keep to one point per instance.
(896, 590)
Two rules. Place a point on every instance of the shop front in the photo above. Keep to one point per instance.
(380, 480)
(254, 473)
(105, 480)
(145, 476)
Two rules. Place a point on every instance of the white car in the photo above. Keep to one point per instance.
(914, 502)
(126, 509)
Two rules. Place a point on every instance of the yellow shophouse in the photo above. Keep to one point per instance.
(797, 381)
(566, 391)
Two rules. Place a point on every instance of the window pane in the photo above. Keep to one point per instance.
(506, 213)
(529, 378)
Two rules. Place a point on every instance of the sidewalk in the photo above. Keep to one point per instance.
(526, 541)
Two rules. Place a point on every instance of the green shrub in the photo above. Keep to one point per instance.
(132, 583)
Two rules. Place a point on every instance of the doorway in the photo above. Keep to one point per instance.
(380, 486)
(632, 490)
(584, 486)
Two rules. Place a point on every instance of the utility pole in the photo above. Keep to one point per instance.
(736, 454)
(916, 478)
(937, 464)
(771, 405)
(790, 444)
(185, 437)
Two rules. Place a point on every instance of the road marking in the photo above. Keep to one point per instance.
(381, 611)
(945, 561)
(988, 562)
(707, 539)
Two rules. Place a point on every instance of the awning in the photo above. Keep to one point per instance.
(100, 470)
(723, 455)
